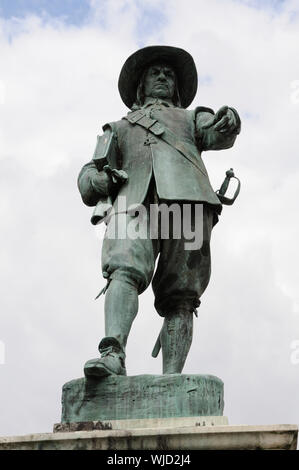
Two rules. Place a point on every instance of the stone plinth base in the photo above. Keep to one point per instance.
(278, 437)
(141, 397)
(154, 423)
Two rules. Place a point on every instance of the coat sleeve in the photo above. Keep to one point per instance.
(210, 139)
(92, 184)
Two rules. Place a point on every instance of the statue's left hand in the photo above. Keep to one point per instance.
(223, 121)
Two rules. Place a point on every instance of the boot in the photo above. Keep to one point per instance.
(176, 339)
(112, 361)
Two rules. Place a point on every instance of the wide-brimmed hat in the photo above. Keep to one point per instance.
(181, 61)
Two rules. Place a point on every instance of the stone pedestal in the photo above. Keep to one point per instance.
(274, 437)
(150, 412)
(153, 423)
(142, 397)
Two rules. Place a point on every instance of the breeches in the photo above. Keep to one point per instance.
(183, 270)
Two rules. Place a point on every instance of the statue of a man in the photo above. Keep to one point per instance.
(157, 159)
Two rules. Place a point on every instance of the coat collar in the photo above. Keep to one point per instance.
(157, 101)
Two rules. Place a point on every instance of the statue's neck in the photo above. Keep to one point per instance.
(151, 98)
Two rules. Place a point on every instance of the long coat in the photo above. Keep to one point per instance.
(143, 156)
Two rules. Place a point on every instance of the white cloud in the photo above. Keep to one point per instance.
(60, 88)
(2, 92)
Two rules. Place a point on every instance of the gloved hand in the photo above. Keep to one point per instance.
(117, 176)
(223, 121)
(106, 181)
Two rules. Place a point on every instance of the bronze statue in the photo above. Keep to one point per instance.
(149, 157)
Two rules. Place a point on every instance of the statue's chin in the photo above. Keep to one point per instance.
(160, 94)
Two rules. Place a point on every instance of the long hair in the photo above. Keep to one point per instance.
(140, 94)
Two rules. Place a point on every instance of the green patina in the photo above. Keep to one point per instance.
(142, 397)
(153, 155)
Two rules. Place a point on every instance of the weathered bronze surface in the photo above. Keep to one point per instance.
(141, 397)
(153, 156)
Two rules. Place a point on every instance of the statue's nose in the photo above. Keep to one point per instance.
(162, 76)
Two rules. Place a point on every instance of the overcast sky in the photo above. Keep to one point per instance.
(59, 66)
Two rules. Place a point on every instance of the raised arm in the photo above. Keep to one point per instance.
(216, 131)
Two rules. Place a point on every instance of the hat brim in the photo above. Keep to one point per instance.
(181, 61)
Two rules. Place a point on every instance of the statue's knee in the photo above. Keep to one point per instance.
(123, 279)
(177, 307)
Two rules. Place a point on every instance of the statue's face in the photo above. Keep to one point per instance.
(159, 81)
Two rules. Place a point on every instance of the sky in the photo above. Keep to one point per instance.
(59, 69)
